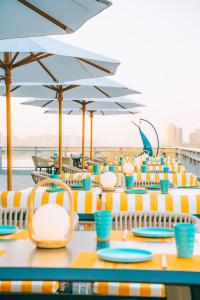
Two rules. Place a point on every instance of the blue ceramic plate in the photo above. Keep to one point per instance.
(153, 187)
(7, 229)
(153, 232)
(135, 191)
(124, 255)
(54, 190)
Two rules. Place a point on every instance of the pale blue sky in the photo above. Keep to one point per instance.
(157, 42)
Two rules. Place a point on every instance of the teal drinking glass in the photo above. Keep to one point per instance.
(95, 169)
(162, 161)
(103, 222)
(129, 181)
(54, 176)
(166, 169)
(185, 236)
(105, 163)
(164, 184)
(144, 162)
(112, 169)
(144, 168)
(87, 183)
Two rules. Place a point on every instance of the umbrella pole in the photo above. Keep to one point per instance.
(60, 100)
(8, 118)
(83, 134)
(91, 135)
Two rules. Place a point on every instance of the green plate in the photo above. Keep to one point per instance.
(154, 232)
(124, 255)
(55, 190)
(77, 186)
(135, 191)
(153, 187)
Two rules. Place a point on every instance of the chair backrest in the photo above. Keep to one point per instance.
(71, 169)
(129, 220)
(14, 216)
(38, 176)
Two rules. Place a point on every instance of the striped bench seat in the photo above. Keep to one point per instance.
(129, 289)
(44, 287)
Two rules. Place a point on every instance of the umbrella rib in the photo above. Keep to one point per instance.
(120, 105)
(93, 65)
(15, 88)
(69, 113)
(14, 58)
(47, 103)
(26, 60)
(70, 87)
(2, 65)
(45, 15)
(51, 87)
(100, 90)
(47, 71)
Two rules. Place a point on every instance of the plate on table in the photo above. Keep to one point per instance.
(7, 229)
(153, 187)
(124, 255)
(153, 232)
(77, 186)
(135, 191)
(55, 190)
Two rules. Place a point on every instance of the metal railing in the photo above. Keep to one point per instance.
(189, 157)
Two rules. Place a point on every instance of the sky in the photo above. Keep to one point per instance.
(158, 45)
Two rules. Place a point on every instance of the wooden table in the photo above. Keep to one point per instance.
(23, 261)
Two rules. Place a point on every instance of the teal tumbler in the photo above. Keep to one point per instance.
(185, 236)
(164, 184)
(87, 183)
(129, 181)
(103, 221)
(95, 169)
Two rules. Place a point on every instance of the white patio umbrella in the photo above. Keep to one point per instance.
(85, 104)
(91, 113)
(25, 18)
(45, 59)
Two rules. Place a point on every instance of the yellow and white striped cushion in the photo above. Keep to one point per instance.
(80, 176)
(44, 287)
(84, 201)
(173, 168)
(129, 289)
(179, 179)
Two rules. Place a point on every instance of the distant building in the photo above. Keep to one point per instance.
(171, 135)
(179, 136)
(174, 135)
(194, 138)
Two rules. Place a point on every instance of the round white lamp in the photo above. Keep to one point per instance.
(128, 168)
(51, 225)
(108, 181)
(50, 222)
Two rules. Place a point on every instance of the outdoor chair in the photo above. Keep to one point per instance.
(37, 176)
(42, 163)
(71, 169)
(127, 221)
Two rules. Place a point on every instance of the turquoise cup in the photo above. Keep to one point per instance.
(147, 159)
(185, 236)
(105, 163)
(87, 184)
(103, 221)
(144, 163)
(129, 181)
(162, 161)
(144, 168)
(95, 169)
(166, 169)
(54, 176)
(112, 169)
(164, 184)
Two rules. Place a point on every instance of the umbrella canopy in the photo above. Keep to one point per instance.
(91, 113)
(45, 59)
(85, 104)
(25, 18)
